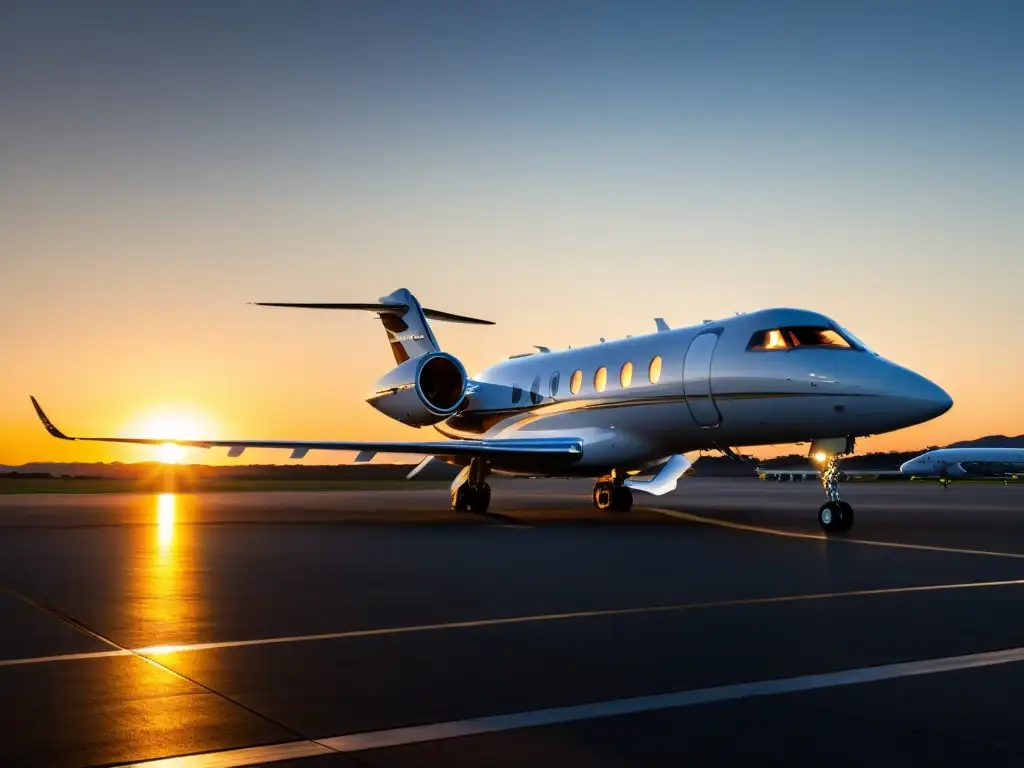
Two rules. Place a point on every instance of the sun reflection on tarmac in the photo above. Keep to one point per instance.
(165, 593)
(166, 507)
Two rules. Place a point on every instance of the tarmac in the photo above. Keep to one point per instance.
(716, 624)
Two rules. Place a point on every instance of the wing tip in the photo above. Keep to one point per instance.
(49, 425)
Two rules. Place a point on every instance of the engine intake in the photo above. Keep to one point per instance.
(421, 391)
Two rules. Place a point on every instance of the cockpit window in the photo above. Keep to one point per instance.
(857, 343)
(798, 336)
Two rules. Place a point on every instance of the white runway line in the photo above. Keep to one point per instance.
(160, 650)
(63, 657)
(822, 537)
(395, 737)
(274, 753)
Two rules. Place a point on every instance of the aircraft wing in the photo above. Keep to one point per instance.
(567, 448)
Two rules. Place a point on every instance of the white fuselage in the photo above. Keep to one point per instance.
(711, 389)
(950, 462)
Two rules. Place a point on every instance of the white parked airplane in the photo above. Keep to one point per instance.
(945, 463)
(623, 408)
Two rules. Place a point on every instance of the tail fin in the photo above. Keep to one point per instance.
(404, 320)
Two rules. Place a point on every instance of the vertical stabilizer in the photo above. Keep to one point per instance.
(406, 326)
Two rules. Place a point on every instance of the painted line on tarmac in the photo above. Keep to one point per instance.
(418, 734)
(822, 537)
(156, 651)
(63, 657)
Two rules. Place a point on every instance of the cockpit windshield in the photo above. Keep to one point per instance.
(853, 339)
(800, 336)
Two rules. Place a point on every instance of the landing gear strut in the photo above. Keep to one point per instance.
(610, 493)
(835, 515)
(470, 492)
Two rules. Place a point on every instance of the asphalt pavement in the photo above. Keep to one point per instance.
(715, 624)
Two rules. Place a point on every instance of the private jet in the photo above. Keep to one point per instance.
(947, 463)
(634, 413)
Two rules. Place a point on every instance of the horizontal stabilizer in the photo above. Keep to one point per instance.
(395, 309)
(405, 321)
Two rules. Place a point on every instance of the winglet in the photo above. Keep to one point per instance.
(661, 324)
(47, 423)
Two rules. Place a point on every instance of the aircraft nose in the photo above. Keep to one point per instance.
(929, 399)
(933, 398)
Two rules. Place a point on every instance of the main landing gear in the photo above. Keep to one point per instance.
(611, 494)
(470, 492)
(835, 515)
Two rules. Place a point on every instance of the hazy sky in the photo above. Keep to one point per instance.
(568, 170)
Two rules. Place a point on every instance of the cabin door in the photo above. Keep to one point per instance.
(697, 380)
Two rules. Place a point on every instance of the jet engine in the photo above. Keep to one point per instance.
(422, 391)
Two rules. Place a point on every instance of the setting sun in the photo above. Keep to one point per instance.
(169, 453)
(172, 423)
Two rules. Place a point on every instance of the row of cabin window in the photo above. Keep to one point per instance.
(576, 381)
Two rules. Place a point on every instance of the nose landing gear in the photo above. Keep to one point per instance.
(835, 515)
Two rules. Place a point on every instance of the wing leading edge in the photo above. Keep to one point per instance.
(567, 448)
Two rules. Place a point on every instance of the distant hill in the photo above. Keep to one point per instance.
(991, 441)
(857, 462)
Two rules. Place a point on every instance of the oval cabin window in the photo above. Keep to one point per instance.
(535, 395)
(576, 381)
(554, 384)
(626, 375)
(654, 372)
(601, 379)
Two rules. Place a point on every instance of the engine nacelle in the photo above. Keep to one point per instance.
(421, 391)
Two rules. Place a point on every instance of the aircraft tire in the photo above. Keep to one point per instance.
(604, 495)
(460, 499)
(847, 519)
(622, 499)
(479, 499)
(835, 516)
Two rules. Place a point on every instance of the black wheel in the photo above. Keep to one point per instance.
(847, 519)
(622, 499)
(831, 517)
(604, 495)
(480, 499)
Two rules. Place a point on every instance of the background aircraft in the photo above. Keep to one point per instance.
(946, 463)
(623, 408)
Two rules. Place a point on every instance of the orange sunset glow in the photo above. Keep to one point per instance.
(243, 371)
